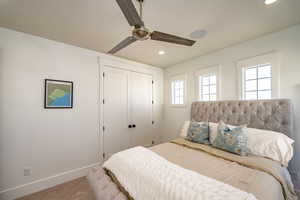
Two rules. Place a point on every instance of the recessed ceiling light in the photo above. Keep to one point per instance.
(161, 52)
(197, 34)
(268, 2)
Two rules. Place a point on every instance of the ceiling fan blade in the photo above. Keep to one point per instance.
(130, 13)
(156, 35)
(129, 40)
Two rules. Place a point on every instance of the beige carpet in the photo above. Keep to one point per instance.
(78, 189)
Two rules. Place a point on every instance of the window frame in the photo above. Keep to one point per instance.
(271, 59)
(215, 69)
(177, 77)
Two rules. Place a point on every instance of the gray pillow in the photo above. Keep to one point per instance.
(198, 132)
(233, 140)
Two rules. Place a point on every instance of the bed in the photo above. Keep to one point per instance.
(260, 177)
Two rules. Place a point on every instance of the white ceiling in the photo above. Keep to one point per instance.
(99, 24)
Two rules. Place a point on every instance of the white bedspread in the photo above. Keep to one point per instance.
(147, 176)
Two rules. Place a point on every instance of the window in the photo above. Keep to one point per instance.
(258, 82)
(178, 90)
(207, 83)
(259, 78)
(208, 87)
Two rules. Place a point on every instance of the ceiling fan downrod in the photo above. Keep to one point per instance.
(141, 8)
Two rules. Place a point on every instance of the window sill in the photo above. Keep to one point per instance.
(177, 105)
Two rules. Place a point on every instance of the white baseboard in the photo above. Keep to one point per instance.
(41, 184)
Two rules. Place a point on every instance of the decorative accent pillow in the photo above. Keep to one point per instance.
(185, 129)
(233, 140)
(199, 132)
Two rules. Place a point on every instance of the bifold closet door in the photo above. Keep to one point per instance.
(115, 110)
(140, 90)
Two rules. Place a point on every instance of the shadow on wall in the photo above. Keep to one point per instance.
(294, 95)
(1, 116)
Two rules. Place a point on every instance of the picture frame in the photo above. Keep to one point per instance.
(58, 94)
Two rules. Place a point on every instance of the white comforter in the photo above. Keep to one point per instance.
(147, 176)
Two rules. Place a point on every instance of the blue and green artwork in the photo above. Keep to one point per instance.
(58, 94)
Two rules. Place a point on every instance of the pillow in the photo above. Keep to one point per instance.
(213, 130)
(184, 129)
(229, 139)
(270, 144)
(264, 143)
(198, 132)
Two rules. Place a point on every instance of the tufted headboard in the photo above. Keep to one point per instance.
(275, 115)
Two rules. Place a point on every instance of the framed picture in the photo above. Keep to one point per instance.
(58, 94)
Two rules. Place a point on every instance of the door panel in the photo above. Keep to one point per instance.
(115, 110)
(140, 90)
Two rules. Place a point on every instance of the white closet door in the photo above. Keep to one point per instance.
(141, 108)
(115, 111)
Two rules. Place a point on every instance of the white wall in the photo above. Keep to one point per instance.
(58, 144)
(286, 43)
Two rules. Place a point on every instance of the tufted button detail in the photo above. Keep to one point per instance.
(284, 123)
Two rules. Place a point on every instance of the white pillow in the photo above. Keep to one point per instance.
(185, 129)
(270, 144)
(264, 143)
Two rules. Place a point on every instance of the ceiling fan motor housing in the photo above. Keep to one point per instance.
(141, 33)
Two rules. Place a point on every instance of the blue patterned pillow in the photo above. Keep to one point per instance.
(233, 140)
(198, 132)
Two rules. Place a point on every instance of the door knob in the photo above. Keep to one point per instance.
(133, 125)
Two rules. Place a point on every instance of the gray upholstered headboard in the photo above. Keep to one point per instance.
(275, 115)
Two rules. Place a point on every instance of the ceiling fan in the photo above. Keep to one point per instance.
(140, 32)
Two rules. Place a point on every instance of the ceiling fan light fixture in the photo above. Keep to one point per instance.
(161, 52)
(268, 2)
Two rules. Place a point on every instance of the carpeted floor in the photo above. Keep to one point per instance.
(77, 189)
